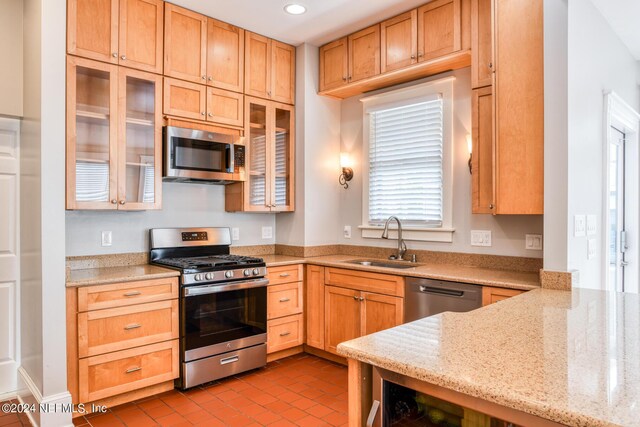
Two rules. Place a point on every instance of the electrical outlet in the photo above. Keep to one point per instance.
(235, 234)
(107, 238)
(533, 242)
(267, 232)
(347, 231)
(591, 248)
(592, 226)
(480, 237)
(579, 226)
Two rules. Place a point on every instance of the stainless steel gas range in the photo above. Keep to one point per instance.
(223, 303)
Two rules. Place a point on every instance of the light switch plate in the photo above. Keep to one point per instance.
(235, 234)
(579, 226)
(347, 232)
(267, 232)
(533, 242)
(480, 237)
(591, 248)
(592, 226)
(107, 238)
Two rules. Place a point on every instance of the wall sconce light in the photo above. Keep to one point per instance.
(347, 170)
(470, 147)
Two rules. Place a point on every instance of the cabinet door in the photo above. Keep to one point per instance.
(257, 70)
(380, 312)
(482, 160)
(92, 98)
(519, 100)
(364, 53)
(141, 34)
(92, 29)
(139, 140)
(439, 25)
(184, 99)
(481, 43)
(224, 107)
(492, 295)
(334, 64)
(225, 56)
(342, 316)
(399, 41)
(314, 306)
(258, 124)
(283, 155)
(185, 44)
(283, 72)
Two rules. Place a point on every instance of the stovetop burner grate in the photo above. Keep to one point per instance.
(210, 261)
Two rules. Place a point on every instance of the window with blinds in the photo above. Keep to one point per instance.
(406, 162)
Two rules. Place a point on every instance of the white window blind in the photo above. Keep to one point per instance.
(406, 163)
(92, 181)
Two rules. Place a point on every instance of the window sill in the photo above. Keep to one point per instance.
(443, 234)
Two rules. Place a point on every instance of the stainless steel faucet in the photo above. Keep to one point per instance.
(402, 247)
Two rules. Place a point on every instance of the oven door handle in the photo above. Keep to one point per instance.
(192, 291)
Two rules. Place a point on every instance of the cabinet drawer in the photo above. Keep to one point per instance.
(365, 281)
(114, 329)
(492, 295)
(124, 294)
(284, 274)
(123, 371)
(284, 333)
(284, 300)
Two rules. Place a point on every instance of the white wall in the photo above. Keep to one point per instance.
(508, 232)
(183, 205)
(598, 62)
(11, 54)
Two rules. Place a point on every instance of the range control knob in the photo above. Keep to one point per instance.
(209, 276)
(256, 271)
(228, 274)
(198, 277)
(247, 273)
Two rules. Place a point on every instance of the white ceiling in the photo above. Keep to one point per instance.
(324, 21)
(624, 17)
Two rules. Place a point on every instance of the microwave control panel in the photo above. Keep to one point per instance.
(239, 156)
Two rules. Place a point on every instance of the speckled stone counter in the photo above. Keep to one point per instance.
(571, 357)
(106, 275)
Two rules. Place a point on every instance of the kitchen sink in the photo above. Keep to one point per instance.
(383, 264)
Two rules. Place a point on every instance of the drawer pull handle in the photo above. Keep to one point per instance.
(228, 360)
(284, 334)
(285, 275)
(132, 326)
(131, 370)
(133, 294)
(284, 300)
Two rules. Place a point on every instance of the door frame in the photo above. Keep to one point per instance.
(625, 118)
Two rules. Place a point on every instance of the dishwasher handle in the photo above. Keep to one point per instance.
(441, 291)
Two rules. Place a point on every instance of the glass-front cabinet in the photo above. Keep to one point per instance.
(114, 137)
(269, 138)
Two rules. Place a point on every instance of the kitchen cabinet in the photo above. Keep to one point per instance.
(380, 312)
(122, 340)
(285, 333)
(314, 297)
(185, 44)
(114, 137)
(124, 32)
(225, 56)
(481, 43)
(269, 69)
(517, 137)
(492, 295)
(439, 29)
(269, 132)
(334, 64)
(285, 307)
(364, 53)
(225, 107)
(399, 41)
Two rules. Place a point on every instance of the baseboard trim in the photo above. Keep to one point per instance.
(55, 417)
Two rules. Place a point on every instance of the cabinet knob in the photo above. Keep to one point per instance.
(203, 113)
(344, 79)
(273, 205)
(490, 65)
(210, 115)
(491, 206)
(204, 77)
(361, 299)
(114, 54)
(355, 298)
(114, 201)
(269, 94)
(123, 57)
(420, 54)
(210, 78)
(413, 57)
(122, 202)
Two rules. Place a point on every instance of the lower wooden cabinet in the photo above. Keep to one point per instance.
(314, 302)
(285, 307)
(492, 295)
(285, 333)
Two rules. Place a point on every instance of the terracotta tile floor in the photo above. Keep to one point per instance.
(13, 419)
(301, 390)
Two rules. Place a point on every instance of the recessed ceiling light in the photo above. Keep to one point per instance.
(295, 9)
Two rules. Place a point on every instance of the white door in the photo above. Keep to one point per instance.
(9, 254)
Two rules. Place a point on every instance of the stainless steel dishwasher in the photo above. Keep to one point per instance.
(426, 297)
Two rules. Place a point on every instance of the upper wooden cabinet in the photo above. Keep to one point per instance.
(439, 29)
(185, 44)
(124, 32)
(114, 157)
(364, 54)
(334, 64)
(481, 43)
(269, 69)
(482, 160)
(399, 41)
(225, 56)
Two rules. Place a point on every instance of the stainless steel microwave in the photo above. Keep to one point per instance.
(192, 155)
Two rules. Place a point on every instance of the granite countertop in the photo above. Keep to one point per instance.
(569, 356)
(106, 275)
